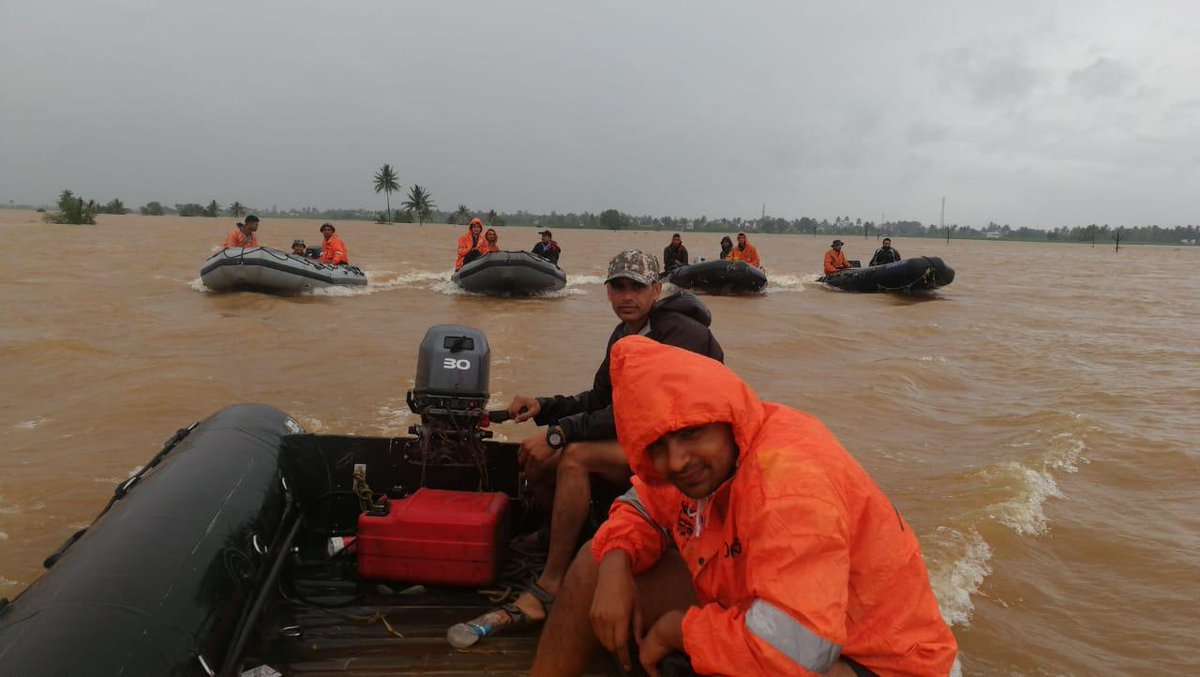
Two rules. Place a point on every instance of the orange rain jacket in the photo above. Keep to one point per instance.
(834, 261)
(334, 251)
(464, 246)
(236, 238)
(797, 559)
(749, 255)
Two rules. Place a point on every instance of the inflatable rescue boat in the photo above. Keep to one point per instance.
(510, 273)
(719, 277)
(270, 270)
(923, 273)
(249, 547)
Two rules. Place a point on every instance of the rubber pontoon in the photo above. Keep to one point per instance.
(271, 270)
(923, 273)
(510, 273)
(719, 277)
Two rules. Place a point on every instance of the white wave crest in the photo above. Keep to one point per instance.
(790, 283)
(198, 285)
(576, 280)
(1024, 513)
(30, 425)
(958, 575)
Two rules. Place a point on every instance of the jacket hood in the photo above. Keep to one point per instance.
(659, 389)
(685, 303)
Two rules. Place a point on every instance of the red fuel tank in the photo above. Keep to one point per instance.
(437, 537)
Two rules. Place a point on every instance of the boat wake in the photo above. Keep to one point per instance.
(789, 283)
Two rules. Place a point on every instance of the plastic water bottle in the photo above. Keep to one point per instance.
(463, 635)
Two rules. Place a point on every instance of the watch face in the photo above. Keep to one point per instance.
(555, 439)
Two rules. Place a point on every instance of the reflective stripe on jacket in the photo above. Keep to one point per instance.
(797, 559)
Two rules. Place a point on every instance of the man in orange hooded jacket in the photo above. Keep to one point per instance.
(471, 244)
(744, 251)
(797, 563)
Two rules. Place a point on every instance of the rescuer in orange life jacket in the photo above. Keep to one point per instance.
(333, 250)
(750, 540)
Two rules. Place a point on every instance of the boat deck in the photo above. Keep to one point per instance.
(302, 638)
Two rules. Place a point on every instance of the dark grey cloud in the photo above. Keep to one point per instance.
(1026, 112)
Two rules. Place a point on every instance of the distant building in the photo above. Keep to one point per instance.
(995, 235)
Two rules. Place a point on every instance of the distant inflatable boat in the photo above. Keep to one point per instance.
(719, 277)
(923, 273)
(510, 273)
(271, 270)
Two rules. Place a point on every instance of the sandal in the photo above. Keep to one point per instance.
(463, 635)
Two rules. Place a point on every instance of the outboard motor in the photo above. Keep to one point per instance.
(451, 394)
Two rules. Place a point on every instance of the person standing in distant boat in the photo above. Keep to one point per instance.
(492, 241)
(726, 247)
(675, 254)
(245, 235)
(885, 254)
(744, 251)
(835, 259)
(333, 250)
(471, 244)
(547, 249)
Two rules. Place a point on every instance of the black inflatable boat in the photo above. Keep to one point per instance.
(510, 273)
(923, 273)
(234, 551)
(719, 277)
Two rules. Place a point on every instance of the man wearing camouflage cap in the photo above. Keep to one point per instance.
(580, 443)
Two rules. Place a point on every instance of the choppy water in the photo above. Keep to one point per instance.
(1037, 421)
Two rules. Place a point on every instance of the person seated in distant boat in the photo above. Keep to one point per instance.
(491, 241)
(675, 254)
(579, 449)
(299, 249)
(726, 247)
(471, 244)
(835, 259)
(245, 235)
(547, 249)
(885, 254)
(744, 251)
(750, 540)
(333, 250)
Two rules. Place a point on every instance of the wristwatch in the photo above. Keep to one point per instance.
(555, 438)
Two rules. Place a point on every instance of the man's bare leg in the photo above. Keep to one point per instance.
(572, 498)
(568, 644)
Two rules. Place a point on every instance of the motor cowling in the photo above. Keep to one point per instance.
(453, 367)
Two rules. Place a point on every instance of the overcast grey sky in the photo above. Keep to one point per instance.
(1028, 113)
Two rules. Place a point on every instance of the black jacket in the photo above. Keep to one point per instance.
(673, 257)
(883, 256)
(679, 320)
(548, 250)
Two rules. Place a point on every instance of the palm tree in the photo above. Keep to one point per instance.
(463, 211)
(236, 209)
(420, 202)
(386, 183)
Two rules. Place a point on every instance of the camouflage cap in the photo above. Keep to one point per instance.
(634, 264)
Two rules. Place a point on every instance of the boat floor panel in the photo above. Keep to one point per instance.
(350, 640)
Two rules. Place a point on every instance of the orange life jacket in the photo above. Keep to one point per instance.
(749, 255)
(464, 246)
(797, 559)
(835, 260)
(236, 238)
(334, 251)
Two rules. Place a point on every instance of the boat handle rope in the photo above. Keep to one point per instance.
(121, 491)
